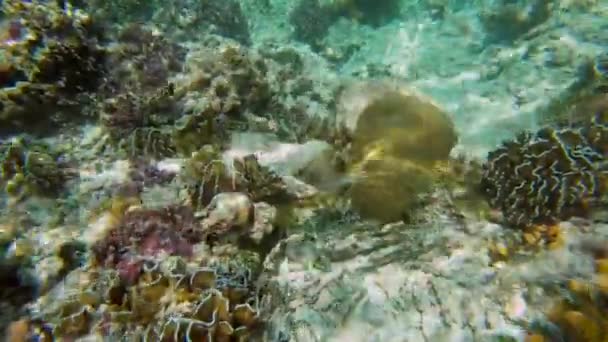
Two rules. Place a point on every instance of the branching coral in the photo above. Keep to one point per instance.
(551, 175)
(207, 174)
(67, 62)
(138, 104)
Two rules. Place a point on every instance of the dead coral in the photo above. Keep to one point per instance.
(551, 175)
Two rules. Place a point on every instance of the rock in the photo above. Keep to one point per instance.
(264, 221)
(431, 281)
(229, 212)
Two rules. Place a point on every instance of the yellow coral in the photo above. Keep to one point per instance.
(397, 141)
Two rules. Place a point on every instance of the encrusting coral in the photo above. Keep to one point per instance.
(551, 175)
(207, 173)
(144, 233)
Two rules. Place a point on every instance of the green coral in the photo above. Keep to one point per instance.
(54, 57)
(30, 168)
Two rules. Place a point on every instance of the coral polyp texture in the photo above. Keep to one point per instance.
(169, 302)
(31, 168)
(208, 173)
(551, 175)
(147, 233)
(50, 57)
(395, 138)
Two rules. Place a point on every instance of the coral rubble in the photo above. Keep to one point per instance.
(550, 175)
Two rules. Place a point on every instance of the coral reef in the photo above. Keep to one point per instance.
(45, 86)
(587, 95)
(506, 21)
(229, 211)
(354, 281)
(144, 175)
(225, 18)
(579, 313)
(551, 175)
(311, 22)
(137, 102)
(144, 233)
(169, 302)
(391, 134)
(367, 12)
(228, 83)
(208, 173)
(32, 168)
(311, 19)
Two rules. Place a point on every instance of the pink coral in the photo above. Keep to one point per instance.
(146, 233)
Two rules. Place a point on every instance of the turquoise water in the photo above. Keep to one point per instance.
(308, 170)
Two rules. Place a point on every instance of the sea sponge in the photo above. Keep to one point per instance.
(551, 175)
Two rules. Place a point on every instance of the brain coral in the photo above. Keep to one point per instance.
(551, 175)
(394, 138)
